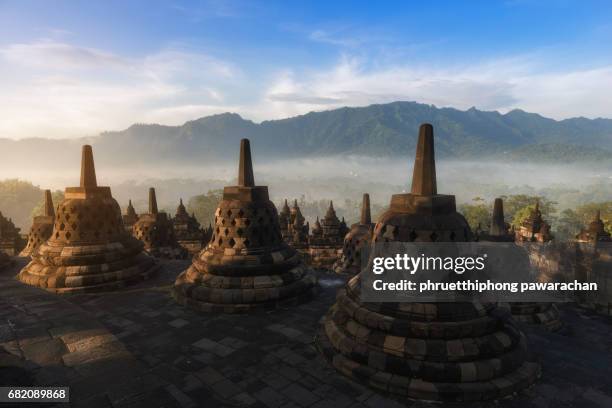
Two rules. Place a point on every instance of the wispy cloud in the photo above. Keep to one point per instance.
(54, 89)
(58, 89)
(502, 84)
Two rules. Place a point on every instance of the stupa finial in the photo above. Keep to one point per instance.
(152, 201)
(245, 167)
(88, 170)
(366, 217)
(48, 210)
(424, 174)
(498, 224)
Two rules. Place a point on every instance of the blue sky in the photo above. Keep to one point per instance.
(70, 69)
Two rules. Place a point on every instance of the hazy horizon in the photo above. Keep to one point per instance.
(337, 178)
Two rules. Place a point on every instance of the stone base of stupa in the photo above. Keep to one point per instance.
(89, 268)
(227, 294)
(5, 261)
(239, 294)
(323, 257)
(544, 314)
(438, 352)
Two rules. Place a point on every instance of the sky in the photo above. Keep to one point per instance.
(76, 68)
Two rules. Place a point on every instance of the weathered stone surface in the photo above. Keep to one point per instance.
(326, 239)
(358, 238)
(246, 264)
(155, 230)
(89, 249)
(269, 356)
(429, 351)
(42, 227)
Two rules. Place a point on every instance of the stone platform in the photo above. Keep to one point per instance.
(138, 348)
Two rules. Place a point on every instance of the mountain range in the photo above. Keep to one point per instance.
(383, 130)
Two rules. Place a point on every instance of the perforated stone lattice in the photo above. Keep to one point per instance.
(87, 220)
(245, 227)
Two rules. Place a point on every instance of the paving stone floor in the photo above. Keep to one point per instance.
(137, 348)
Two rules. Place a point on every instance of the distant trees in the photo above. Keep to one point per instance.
(57, 196)
(518, 207)
(17, 199)
(478, 214)
(203, 206)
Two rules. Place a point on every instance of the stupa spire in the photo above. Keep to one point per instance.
(245, 167)
(88, 170)
(152, 201)
(366, 217)
(424, 174)
(498, 224)
(48, 210)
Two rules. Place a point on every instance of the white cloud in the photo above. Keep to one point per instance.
(54, 89)
(57, 89)
(502, 84)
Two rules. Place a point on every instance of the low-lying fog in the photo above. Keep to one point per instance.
(338, 178)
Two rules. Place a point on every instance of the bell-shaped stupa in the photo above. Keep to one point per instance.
(247, 264)
(155, 231)
(462, 351)
(595, 232)
(11, 242)
(42, 227)
(325, 242)
(89, 249)
(534, 228)
(187, 230)
(129, 218)
(537, 313)
(355, 240)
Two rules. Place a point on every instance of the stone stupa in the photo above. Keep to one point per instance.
(534, 228)
(129, 218)
(537, 313)
(154, 230)
(42, 227)
(462, 351)
(89, 249)
(187, 230)
(355, 240)
(326, 239)
(246, 264)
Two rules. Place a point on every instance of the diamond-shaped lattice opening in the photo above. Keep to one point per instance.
(233, 222)
(246, 242)
(231, 242)
(67, 217)
(229, 213)
(68, 235)
(223, 221)
(241, 213)
(62, 226)
(226, 232)
(220, 241)
(73, 226)
(239, 232)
